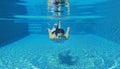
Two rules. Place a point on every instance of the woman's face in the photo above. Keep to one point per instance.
(59, 36)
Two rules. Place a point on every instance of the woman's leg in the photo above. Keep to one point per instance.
(59, 25)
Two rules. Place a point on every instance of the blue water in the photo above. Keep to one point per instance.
(39, 52)
(94, 41)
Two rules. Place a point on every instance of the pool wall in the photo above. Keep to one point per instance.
(109, 27)
(10, 32)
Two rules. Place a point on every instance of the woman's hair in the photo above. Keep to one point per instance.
(59, 31)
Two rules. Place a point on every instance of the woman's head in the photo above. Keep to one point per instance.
(60, 33)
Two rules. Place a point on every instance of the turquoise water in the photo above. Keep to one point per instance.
(94, 41)
(39, 52)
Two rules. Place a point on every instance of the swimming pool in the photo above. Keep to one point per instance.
(94, 41)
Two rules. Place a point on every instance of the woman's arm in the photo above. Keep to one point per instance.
(51, 36)
(67, 33)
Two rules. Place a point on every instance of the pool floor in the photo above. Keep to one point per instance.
(39, 52)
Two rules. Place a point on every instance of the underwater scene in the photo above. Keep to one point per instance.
(59, 34)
